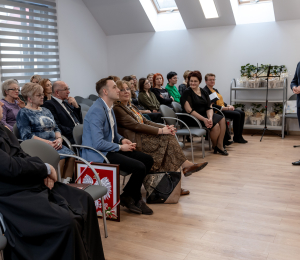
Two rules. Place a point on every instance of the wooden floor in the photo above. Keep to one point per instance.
(244, 206)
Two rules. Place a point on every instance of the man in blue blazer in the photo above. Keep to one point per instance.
(100, 132)
(295, 86)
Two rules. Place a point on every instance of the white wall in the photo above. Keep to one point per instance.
(220, 50)
(83, 47)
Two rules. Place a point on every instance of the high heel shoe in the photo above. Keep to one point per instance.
(217, 150)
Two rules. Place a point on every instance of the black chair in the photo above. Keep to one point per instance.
(78, 99)
(84, 107)
(87, 102)
(77, 135)
(93, 97)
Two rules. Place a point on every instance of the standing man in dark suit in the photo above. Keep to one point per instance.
(295, 86)
(66, 111)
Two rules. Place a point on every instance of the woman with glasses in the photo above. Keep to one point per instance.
(37, 122)
(156, 140)
(238, 116)
(12, 102)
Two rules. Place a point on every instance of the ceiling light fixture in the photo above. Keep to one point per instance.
(209, 9)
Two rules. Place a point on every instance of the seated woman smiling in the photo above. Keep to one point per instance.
(159, 141)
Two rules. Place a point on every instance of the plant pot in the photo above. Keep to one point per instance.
(256, 120)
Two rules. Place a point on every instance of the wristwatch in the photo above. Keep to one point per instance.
(120, 142)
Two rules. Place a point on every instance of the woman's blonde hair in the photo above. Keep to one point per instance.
(36, 76)
(29, 89)
(186, 73)
(120, 83)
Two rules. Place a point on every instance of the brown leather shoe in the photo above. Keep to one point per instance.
(184, 192)
(187, 171)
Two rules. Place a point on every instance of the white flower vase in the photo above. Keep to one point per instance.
(256, 120)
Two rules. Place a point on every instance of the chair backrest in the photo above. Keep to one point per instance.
(84, 114)
(77, 134)
(293, 97)
(42, 150)
(177, 107)
(16, 131)
(84, 107)
(93, 97)
(87, 102)
(168, 112)
(78, 99)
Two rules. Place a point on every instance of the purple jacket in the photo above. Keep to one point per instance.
(10, 111)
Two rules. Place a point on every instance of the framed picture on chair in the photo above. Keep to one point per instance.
(110, 178)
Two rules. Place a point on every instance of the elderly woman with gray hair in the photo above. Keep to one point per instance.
(37, 122)
(12, 102)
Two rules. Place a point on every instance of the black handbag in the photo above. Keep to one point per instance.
(163, 187)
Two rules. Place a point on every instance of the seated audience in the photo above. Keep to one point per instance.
(230, 112)
(196, 101)
(35, 78)
(66, 111)
(100, 132)
(146, 97)
(47, 87)
(150, 78)
(12, 103)
(43, 218)
(150, 138)
(161, 94)
(134, 88)
(135, 83)
(37, 122)
(171, 88)
(155, 117)
(182, 87)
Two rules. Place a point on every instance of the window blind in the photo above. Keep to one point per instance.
(28, 40)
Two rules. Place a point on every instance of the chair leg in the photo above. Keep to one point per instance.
(209, 140)
(124, 180)
(104, 217)
(192, 147)
(203, 150)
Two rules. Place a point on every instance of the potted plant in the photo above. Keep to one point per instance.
(276, 115)
(239, 106)
(258, 114)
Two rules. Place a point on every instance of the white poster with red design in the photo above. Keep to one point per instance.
(109, 176)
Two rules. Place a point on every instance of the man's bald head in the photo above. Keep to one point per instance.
(58, 85)
(60, 90)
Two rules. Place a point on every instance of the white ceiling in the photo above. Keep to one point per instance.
(286, 9)
(193, 16)
(120, 16)
(128, 16)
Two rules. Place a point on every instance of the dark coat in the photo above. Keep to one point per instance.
(41, 223)
(62, 119)
(295, 83)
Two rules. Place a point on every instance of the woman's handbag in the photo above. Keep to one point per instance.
(163, 187)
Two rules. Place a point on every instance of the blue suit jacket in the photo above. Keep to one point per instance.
(97, 132)
(295, 83)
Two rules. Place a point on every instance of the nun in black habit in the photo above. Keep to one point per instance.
(44, 219)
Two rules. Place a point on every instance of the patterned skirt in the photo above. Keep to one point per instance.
(165, 150)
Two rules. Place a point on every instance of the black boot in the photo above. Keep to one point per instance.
(128, 202)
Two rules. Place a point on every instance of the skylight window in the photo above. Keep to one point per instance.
(165, 5)
(252, 1)
(209, 9)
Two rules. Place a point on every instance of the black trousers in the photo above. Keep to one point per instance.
(238, 118)
(137, 163)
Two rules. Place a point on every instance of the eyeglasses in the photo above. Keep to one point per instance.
(125, 89)
(63, 89)
(211, 80)
(39, 95)
(14, 89)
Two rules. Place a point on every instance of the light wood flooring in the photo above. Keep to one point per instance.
(244, 206)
